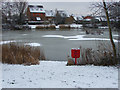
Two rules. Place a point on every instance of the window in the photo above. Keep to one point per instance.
(40, 9)
(38, 18)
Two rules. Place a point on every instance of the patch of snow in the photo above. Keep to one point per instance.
(6, 42)
(24, 34)
(77, 37)
(55, 74)
(116, 35)
(74, 37)
(53, 36)
(57, 27)
(76, 25)
(36, 9)
(33, 44)
(103, 27)
(87, 19)
(49, 13)
(32, 26)
(84, 39)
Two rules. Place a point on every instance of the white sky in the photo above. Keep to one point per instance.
(79, 8)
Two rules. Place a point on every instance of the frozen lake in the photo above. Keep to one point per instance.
(57, 44)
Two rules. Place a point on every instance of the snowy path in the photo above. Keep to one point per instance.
(55, 74)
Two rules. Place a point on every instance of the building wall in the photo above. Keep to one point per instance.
(32, 16)
(69, 20)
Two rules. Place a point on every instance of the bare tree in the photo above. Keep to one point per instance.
(105, 7)
(60, 17)
(114, 14)
(14, 11)
(110, 31)
(21, 9)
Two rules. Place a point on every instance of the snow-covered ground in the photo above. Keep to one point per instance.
(55, 74)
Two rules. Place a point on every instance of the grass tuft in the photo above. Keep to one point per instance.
(19, 54)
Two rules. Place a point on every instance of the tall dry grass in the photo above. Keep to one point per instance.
(101, 57)
(19, 54)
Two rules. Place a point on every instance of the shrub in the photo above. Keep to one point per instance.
(52, 27)
(46, 27)
(103, 56)
(64, 26)
(19, 54)
(40, 27)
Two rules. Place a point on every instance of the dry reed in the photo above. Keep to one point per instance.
(19, 54)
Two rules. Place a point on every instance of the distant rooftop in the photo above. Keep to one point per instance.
(35, 4)
(49, 13)
(36, 8)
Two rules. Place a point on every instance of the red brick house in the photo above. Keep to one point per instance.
(36, 14)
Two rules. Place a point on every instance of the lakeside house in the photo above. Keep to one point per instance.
(90, 21)
(50, 15)
(36, 14)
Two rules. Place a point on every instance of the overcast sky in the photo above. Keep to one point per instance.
(80, 8)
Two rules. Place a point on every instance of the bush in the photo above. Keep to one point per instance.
(103, 56)
(52, 27)
(40, 27)
(46, 27)
(19, 54)
(64, 26)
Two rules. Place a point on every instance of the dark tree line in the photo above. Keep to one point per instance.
(60, 18)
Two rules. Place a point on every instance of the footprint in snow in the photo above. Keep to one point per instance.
(63, 81)
(114, 83)
(22, 77)
(74, 81)
(12, 82)
(30, 80)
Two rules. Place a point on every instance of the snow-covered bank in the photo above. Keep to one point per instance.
(57, 27)
(6, 42)
(55, 74)
(103, 27)
(32, 44)
(29, 44)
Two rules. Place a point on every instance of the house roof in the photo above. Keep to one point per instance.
(101, 18)
(36, 9)
(88, 17)
(77, 17)
(63, 13)
(49, 13)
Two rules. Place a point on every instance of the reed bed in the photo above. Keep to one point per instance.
(13, 53)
